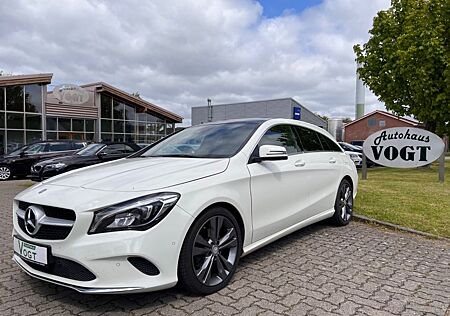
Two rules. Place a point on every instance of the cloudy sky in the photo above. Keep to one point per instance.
(178, 53)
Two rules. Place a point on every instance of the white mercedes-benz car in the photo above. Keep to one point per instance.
(184, 209)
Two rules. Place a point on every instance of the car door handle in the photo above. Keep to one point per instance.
(332, 160)
(299, 163)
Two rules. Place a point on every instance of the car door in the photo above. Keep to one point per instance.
(30, 155)
(324, 161)
(279, 189)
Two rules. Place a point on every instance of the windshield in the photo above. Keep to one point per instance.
(205, 141)
(89, 150)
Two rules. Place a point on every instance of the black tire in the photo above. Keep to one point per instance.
(198, 274)
(5, 173)
(343, 206)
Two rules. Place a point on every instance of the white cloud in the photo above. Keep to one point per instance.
(178, 53)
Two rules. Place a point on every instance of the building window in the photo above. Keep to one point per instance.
(14, 99)
(70, 128)
(2, 99)
(14, 120)
(33, 98)
(372, 122)
(106, 106)
(121, 121)
(382, 123)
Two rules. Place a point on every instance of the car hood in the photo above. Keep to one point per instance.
(66, 159)
(140, 174)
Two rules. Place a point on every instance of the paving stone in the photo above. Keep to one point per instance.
(369, 271)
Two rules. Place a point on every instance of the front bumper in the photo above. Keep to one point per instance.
(106, 255)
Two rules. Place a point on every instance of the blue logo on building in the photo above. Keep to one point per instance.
(297, 115)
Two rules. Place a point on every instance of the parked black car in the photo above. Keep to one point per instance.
(350, 147)
(18, 163)
(90, 155)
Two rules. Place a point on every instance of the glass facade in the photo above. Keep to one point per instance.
(22, 121)
(20, 116)
(125, 122)
(70, 128)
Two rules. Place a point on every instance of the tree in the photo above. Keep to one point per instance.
(405, 61)
(346, 120)
(323, 117)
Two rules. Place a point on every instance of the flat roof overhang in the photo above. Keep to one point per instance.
(45, 78)
(104, 87)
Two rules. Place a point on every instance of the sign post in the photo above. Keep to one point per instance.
(364, 166)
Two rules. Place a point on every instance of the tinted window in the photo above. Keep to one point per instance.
(59, 146)
(78, 145)
(328, 144)
(281, 135)
(35, 148)
(116, 149)
(309, 139)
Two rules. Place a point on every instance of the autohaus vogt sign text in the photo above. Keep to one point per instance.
(403, 147)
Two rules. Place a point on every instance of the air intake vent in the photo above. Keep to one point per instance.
(143, 265)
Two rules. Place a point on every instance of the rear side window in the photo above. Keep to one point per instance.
(78, 145)
(281, 135)
(59, 146)
(309, 139)
(328, 144)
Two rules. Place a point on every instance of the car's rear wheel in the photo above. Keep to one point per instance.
(210, 252)
(343, 206)
(5, 173)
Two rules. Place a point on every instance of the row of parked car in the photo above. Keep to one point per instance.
(45, 159)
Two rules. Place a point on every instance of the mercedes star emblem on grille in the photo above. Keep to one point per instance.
(33, 216)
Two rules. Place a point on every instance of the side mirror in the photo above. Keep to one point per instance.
(22, 154)
(101, 154)
(272, 152)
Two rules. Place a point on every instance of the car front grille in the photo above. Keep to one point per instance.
(64, 268)
(36, 168)
(57, 225)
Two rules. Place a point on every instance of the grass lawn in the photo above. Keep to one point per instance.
(408, 197)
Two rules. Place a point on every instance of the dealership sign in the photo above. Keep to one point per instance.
(403, 147)
(71, 94)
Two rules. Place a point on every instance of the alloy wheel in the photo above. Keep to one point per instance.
(215, 249)
(345, 202)
(5, 173)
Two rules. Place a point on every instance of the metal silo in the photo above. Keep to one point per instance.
(335, 128)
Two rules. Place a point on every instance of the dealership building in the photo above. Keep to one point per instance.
(92, 112)
(277, 108)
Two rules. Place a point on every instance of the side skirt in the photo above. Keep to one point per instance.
(267, 240)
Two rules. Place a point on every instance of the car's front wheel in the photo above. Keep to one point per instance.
(5, 173)
(210, 252)
(343, 206)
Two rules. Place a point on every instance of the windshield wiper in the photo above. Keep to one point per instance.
(176, 155)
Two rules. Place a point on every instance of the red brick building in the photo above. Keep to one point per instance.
(358, 130)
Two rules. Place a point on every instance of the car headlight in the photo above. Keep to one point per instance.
(353, 156)
(137, 214)
(58, 165)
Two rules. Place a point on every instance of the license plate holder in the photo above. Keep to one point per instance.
(32, 252)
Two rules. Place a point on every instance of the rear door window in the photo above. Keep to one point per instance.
(309, 139)
(328, 144)
(59, 147)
